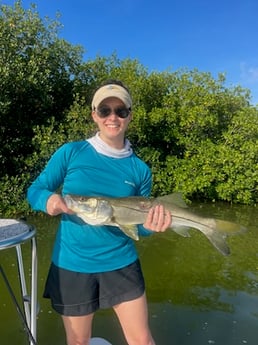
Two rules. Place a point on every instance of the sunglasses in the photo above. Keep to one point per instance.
(121, 112)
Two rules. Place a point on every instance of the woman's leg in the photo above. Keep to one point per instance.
(78, 329)
(133, 317)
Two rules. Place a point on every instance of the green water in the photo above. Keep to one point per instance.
(196, 296)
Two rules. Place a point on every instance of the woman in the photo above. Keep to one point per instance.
(97, 266)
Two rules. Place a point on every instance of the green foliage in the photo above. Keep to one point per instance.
(12, 199)
(36, 80)
(76, 125)
(201, 140)
(198, 136)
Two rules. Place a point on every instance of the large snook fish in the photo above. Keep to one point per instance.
(128, 212)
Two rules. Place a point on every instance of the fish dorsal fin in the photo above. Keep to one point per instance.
(175, 198)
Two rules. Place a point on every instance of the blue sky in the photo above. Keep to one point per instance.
(210, 35)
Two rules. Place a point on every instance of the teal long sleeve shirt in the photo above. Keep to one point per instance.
(77, 168)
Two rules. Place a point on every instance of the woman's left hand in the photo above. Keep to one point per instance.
(158, 219)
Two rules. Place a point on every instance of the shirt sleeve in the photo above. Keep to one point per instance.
(145, 190)
(50, 179)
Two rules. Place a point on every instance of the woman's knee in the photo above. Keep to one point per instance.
(78, 329)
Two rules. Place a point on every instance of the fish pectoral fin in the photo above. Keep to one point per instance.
(130, 230)
(182, 231)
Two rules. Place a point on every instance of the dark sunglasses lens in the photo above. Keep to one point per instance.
(106, 111)
(122, 112)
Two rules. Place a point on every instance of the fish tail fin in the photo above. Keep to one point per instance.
(218, 241)
(221, 229)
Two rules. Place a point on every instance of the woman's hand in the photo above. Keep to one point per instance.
(56, 205)
(158, 219)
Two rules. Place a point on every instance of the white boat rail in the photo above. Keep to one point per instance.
(13, 233)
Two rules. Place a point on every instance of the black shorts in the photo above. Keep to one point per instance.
(77, 294)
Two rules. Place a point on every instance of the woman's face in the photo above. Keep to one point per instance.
(112, 127)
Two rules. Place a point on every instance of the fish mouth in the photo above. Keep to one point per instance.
(76, 204)
(87, 204)
(68, 200)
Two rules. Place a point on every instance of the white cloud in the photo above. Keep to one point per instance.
(249, 74)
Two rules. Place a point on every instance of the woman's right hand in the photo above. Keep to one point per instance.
(56, 205)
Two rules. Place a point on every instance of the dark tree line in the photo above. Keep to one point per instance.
(198, 136)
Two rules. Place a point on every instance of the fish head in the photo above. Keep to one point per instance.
(94, 211)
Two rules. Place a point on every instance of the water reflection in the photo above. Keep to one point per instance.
(196, 295)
